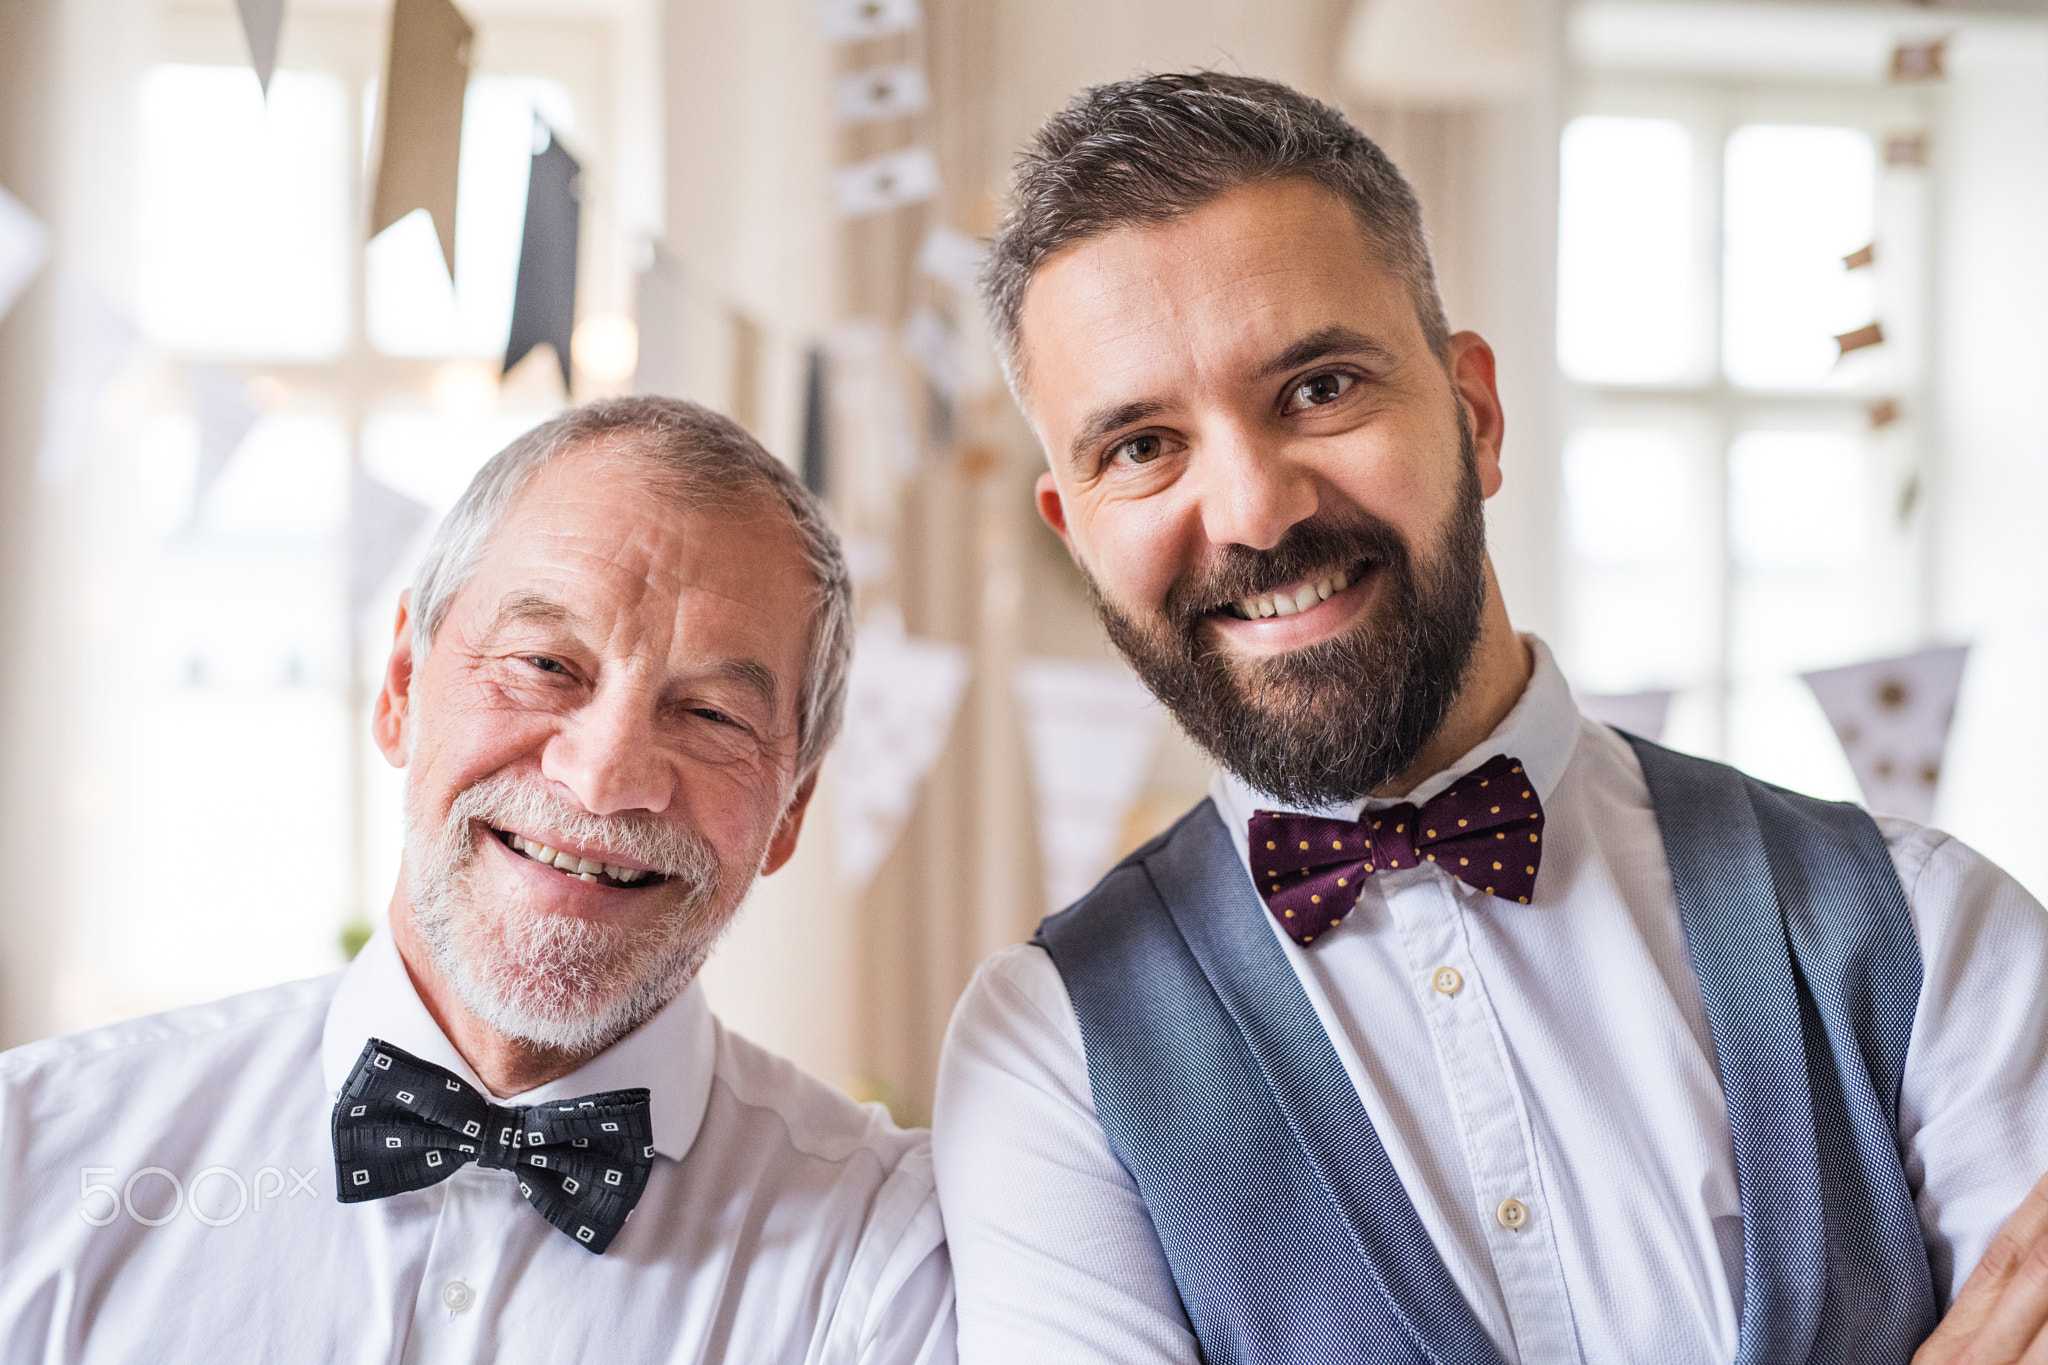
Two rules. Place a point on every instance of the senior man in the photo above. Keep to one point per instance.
(610, 689)
(1452, 1027)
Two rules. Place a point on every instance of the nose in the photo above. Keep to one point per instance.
(609, 756)
(1251, 492)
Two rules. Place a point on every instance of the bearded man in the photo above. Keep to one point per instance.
(611, 686)
(1451, 1027)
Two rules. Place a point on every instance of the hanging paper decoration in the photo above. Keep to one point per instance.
(24, 246)
(931, 341)
(261, 20)
(1906, 149)
(1872, 335)
(381, 525)
(94, 343)
(221, 406)
(1092, 729)
(886, 182)
(850, 21)
(900, 700)
(544, 299)
(425, 79)
(1892, 717)
(1639, 713)
(1919, 61)
(817, 422)
(658, 303)
(1860, 257)
(870, 422)
(951, 257)
(881, 92)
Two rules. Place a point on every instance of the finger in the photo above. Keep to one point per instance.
(2019, 1315)
(2023, 1230)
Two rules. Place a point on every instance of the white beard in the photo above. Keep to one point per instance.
(557, 981)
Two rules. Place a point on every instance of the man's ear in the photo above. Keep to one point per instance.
(783, 845)
(1471, 368)
(1052, 509)
(394, 699)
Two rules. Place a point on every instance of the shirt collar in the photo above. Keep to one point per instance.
(672, 1054)
(1541, 731)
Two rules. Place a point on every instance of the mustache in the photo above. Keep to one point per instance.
(508, 801)
(1315, 546)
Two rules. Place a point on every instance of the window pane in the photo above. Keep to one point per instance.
(1797, 201)
(242, 213)
(411, 310)
(1797, 500)
(1627, 280)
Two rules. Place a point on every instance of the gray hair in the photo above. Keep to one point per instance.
(702, 460)
(1142, 152)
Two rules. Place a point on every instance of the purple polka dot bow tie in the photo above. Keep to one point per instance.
(403, 1124)
(1486, 830)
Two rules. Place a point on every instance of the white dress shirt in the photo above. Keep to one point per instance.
(1568, 1065)
(167, 1195)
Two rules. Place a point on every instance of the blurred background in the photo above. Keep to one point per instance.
(1768, 284)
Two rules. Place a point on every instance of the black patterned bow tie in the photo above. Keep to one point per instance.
(403, 1124)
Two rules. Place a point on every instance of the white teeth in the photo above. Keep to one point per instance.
(590, 877)
(627, 874)
(543, 854)
(1248, 607)
(1323, 589)
(1305, 597)
(584, 869)
(1283, 605)
(586, 865)
(1339, 581)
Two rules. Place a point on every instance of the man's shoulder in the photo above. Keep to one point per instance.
(187, 1043)
(780, 1103)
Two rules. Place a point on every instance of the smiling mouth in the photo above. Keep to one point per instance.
(581, 869)
(1297, 597)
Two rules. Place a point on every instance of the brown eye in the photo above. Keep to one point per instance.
(1319, 389)
(1139, 450)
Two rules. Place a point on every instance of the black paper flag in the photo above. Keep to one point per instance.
(544, 299)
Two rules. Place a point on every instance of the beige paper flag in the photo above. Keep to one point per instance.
(421, 146)
(1872, 335)
(1893, 716)
(1092, 729)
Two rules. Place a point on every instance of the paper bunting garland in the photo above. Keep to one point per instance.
(886, 182)
(1092, 729)
(221, 406)
(1892, 717)
(1862, 337)
(881, 92)
(1639, 713)
(931, 341)
(850, 21)
(261, 20)
(425, 80)
(900, 700)
(24, 246)
(94, 343)
(381, 525)
(544, 299)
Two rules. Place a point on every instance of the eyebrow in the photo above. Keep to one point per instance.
(749, 673)
(1327, 341)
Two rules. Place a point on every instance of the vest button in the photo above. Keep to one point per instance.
(1447, 980)
(1513, 1214)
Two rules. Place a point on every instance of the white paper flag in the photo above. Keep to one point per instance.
(94, 343)
(931, 341)
(951, 257)
(881, 92)
(900, 700)
(1893, 716)
(261, 20)
(382, 523)
(881, 183)
(24, 246)
(1092, 730)
(221, 405)
(1639, 713)
(847, 21)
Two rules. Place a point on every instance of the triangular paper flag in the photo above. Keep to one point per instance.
(544, 299)
(951, 257)
(931, 341)
(849, 21)
(1639, 713)
(381, 525)
(424, 83)
(880, 92)
(881, 183)
(94, 343)
(817, 453)
(658, 302)
(1092, 729)
(261, 20)
(24, 246)
(900, 700)
(1893, 717)
(221, 406)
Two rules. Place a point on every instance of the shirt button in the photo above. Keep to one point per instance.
(1447, 980)
(456, 1295)
(1513, 1214)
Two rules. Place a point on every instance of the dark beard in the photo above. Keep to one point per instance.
(1332, 722)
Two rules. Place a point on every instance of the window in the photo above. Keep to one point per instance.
(1740, 486)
